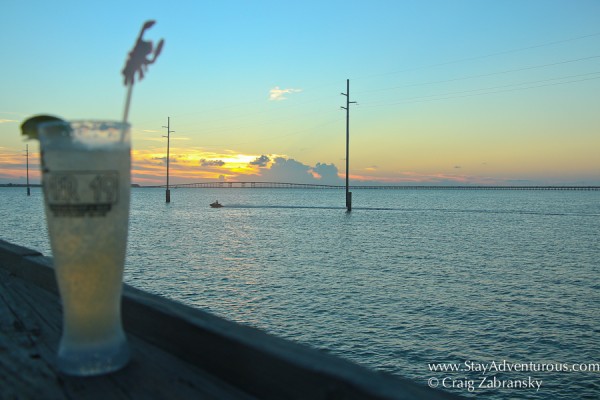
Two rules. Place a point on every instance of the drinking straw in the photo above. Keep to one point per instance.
(138, 61)
(127, 102)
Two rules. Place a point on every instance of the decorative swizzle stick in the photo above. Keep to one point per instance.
(138, 61)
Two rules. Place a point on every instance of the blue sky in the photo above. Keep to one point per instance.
(481, 92)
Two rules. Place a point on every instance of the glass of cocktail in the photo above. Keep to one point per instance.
(86, 182)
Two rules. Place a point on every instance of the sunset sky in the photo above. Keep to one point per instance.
(449, 92)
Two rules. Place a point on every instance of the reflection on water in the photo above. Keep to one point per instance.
(406, 279)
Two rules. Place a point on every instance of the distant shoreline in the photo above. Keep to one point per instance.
(19, 185)
(39, 185)
(267, 185)
(277, 185)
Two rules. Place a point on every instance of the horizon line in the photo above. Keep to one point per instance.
(292, 185)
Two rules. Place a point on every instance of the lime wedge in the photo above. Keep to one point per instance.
(30, 127)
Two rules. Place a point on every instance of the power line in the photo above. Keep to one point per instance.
(466, 59)
(270, 122)
(451, 95)
(482, 56)
(484, 75)
(295, 133)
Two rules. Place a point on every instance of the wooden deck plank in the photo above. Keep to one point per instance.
(178, 351)
(29, 335)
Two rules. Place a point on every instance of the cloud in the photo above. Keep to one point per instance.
(277, 94)
(162, 139)
(163, 159)
(211, 163)
(288, 170)
(283, 169)
(261, 161)
(327, 174)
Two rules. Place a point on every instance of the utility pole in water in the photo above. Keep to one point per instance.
(27, 163)
(168, 192)
(347, 108)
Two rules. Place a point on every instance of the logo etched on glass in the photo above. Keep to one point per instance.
(82, 193)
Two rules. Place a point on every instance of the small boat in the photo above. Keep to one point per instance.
(216, 204)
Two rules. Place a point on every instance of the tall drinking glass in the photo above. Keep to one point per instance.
(86, 181)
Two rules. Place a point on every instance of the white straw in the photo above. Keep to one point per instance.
(126, 113)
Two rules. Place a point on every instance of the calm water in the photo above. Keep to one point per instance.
(407, 279)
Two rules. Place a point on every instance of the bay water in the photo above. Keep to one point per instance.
(481, 292)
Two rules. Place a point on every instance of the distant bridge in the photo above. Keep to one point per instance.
(286, 185)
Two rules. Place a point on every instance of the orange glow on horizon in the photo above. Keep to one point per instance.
(189, 165)
(185, 166)
(14, 166)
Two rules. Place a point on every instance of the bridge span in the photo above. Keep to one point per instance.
(288, 185)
